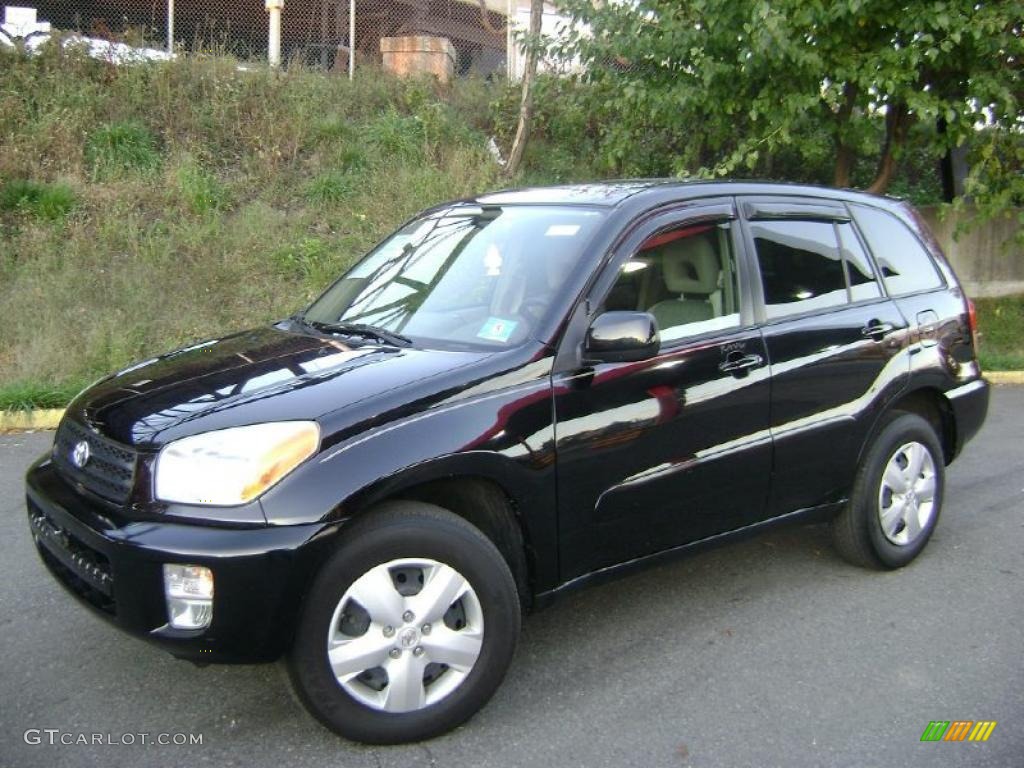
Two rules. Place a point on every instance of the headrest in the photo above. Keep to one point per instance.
(691, 266)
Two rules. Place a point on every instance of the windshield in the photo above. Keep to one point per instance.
(463, 276)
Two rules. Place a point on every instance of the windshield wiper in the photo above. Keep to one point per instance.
(360, 329)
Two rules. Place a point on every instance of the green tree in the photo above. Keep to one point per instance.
(734, 80)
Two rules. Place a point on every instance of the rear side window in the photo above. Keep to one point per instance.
(903, 261)
(801, 268)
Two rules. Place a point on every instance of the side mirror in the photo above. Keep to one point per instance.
(622, 337)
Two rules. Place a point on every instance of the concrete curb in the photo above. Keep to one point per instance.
(20, 421)
(49, 418)
(1005, 377)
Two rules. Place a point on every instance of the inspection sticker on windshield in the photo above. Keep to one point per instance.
(562, 230)
(497, 329)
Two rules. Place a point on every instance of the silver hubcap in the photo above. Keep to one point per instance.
(405, 634)
(906, 499)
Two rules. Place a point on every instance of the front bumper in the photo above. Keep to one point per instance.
(260, 573)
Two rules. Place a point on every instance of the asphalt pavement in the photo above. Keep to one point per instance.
(771, 652)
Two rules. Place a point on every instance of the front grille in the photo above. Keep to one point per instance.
(84, 570)
(110, 469)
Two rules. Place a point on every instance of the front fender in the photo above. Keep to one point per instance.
(505, 436)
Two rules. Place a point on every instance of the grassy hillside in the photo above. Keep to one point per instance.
(141, 207)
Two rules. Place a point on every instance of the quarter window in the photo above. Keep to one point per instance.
(685, 277)
(801, 268)
(905, 265)
(859, 272)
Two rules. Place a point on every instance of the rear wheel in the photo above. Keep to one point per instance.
(896, 498)
(409, 627)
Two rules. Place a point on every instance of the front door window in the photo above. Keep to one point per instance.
(685, 277)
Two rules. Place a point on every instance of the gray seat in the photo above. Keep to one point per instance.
(690, 269)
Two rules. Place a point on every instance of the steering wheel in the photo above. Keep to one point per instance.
(533, 307)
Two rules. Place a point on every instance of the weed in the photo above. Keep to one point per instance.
(44, 201)
(199, 189)
(397, 137)
(24, 395)
(118, 148)
(330, 187)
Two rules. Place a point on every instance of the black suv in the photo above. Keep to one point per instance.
(511, 397)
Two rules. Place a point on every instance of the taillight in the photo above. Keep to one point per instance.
(972, 323)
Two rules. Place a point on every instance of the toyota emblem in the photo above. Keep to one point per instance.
(80, 454)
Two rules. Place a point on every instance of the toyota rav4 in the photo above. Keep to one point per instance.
(511, 397)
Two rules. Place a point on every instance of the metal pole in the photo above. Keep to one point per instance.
(351, 38)
(274, 32)
(170, 27)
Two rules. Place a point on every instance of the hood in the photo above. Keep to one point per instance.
(267, 374)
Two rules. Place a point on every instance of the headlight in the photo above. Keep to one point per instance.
(233, 466)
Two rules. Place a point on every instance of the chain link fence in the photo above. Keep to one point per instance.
(333, 35)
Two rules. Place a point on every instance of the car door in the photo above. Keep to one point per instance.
(659, 453)
(837, 344)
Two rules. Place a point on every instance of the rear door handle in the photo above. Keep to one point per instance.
(741, 364)
(877, 330)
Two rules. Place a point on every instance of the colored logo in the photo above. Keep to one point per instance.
(497, 329)
(958, 730)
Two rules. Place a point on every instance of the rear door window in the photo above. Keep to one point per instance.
(905, 265)
(801, 268)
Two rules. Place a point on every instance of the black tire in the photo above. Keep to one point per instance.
(400, 530)
(857, 531)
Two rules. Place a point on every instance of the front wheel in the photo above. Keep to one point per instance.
(408, 629)
(896, 497)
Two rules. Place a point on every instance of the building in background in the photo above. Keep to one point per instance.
(313, 32)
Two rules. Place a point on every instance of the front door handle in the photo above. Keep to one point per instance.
(877, 330)
(739, 365)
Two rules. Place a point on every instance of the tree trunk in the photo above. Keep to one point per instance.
(515, 158)
(845, 154)
(844, 164)
(897, 121)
